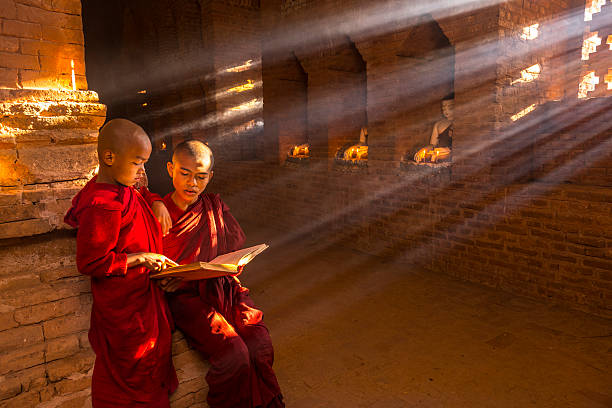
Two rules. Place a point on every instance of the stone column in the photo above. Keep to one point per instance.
(48, 131)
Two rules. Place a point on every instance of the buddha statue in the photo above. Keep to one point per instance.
(441, 141)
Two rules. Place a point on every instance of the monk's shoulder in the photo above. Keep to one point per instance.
(215, 198)
(106, 199)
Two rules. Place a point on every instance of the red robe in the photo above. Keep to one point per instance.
(208, 311)
(130, 329)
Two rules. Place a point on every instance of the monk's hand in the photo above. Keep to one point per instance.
(151, 261)
(163, 216)
(247, 314)
(170, 284)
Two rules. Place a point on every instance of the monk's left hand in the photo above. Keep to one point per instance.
(170, 284)
(163, 216)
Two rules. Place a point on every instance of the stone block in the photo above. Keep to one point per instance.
(11, 60)
(67, 6)
(7, 321)
(46, 17)
(51, 95)
(65, 325)
(23, 380)
(60, 273)
(48, 109)
(53, 49)
(21, 29)
(25, 399)
(42, 293)
(54, 122)
(61, 347)
(62, 35)
(74, 383)
(19, 337)
(10, 173)
(57, 163)
(21, 358)
(9, 44)
(18, 213)
(9, 387)
(24, 228)
(7, 9)
(35, 3)
(13, 282)
(66, 367)
(46, 311)
(8, 77)
(61, 65)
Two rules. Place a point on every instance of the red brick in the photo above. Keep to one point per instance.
(21, 29)
(47, 48)
(9, 44)
(66, 6)
(61, 65)
(8, 78)
(45, 17)
(20, 337)
(62, 35)
(8, 60)
(7, 9)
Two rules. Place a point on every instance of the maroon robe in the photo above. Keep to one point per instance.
(130, 329)
(210, 312)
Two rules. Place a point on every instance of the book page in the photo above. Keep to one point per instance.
(226, 264)
(240, 257)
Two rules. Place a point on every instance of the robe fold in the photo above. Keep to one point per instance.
(217, 315)
(131, 325)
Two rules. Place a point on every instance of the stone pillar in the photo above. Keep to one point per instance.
(48, 131)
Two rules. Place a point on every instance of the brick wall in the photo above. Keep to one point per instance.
(547, 238)
(525, 204)
(46, 121)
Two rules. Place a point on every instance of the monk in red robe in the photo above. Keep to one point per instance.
(216, 315)
(118, 242)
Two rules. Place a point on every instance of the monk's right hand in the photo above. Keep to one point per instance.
(150, 260)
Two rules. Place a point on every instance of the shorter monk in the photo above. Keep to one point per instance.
(118, 243)
(216, 315)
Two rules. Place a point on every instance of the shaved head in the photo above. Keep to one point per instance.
(123, 149)
(118, 135)
(194, 149)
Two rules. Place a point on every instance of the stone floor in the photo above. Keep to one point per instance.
(350, 330)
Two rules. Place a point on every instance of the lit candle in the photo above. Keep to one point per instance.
(73, 77)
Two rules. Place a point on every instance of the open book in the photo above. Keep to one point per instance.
(227, 264)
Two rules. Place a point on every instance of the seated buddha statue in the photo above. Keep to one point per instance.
(441, 141)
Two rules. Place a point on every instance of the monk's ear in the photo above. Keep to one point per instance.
(210, 175)
(170, 168)
(108, 157)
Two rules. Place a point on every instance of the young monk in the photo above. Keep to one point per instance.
(118, 243)
(216, 315)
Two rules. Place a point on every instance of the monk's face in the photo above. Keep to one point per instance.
(127, 164)
(190, 176)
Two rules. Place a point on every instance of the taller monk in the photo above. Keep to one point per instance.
(216, 315)
(118, 242)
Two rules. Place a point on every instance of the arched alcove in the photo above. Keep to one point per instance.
(428, 64)
(337, 97)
